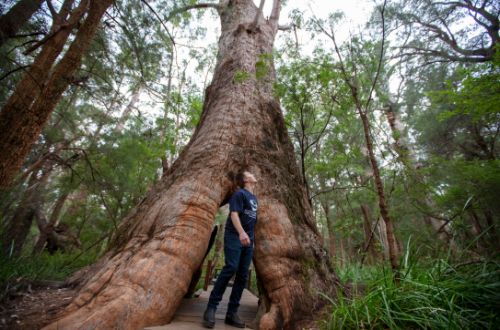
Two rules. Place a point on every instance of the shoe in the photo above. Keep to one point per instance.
(234, 320)
(209, 317)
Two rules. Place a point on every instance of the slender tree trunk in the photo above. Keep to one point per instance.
(46, 227)
(165, 164)
(369, 246)
(407, 159)
(128, 109)
(16, 17)
(382, 203)
(33, 81)
(147, 271)
(477, 229)
(382, 232)
(492, 232)
(342, 261)
(331, 230)
(19, 226)
(22, 119)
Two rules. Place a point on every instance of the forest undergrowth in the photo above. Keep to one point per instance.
(24, 272)
(431, 294)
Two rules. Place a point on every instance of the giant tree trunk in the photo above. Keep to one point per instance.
(159, 245)
(36, 95)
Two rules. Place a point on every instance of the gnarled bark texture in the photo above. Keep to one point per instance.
(144, 276)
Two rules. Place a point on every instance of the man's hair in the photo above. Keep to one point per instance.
(238, 179)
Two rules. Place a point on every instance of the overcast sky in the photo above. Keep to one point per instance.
(356, 14)
(356, 11)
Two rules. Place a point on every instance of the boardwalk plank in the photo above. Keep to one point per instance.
(189, 315)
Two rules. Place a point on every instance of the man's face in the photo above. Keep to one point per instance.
(249, 178)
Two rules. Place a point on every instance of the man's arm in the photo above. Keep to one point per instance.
(244, 239)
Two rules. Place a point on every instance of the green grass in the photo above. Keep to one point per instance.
(429, 296)
(16, 272)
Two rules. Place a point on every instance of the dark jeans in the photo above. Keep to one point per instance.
(238, 259)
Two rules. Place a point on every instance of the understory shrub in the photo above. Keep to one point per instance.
(430, 296)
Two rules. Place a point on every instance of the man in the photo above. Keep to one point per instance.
(238, 251)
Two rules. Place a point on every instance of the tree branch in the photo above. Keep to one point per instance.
(325, 191)
(159, 19)
(381, 58)
(76, 15)
(22, 67)
(52, 10)
(275, 14)
(189, 7)
(259, 12)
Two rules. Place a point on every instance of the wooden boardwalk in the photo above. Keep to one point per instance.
(189, 315)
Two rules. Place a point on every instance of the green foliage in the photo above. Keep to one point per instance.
(475, 179)
(16, 273)
(430, 296)
(263, 65)
(476, 95)
(196, 108)
(241, 76)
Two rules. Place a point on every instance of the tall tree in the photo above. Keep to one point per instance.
(361, 82)
(148, 268)
(448, 31)
(36, 95)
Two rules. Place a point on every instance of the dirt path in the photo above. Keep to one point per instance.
(33, 307)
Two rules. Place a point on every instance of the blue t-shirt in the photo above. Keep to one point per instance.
(245, 203)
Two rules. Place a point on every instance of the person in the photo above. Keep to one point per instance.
(238, 251)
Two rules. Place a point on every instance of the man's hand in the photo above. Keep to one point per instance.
(244, 239)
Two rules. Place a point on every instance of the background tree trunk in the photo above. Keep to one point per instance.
(408, 160)
(369, 245)
(147, 271)
(22, 119)
(17, 229)
(331, 228)
(394, 251)
(47, 227)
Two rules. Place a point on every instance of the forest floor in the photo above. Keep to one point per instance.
(34, 306)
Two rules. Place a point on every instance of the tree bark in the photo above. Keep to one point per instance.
(23, 116)
(120, 125)
(160, 244)
(330, 227)
(16, 17)
(369, 246)
(362, 111)
(407, 159)
(382, 203)
(47, 227)
(31, 84)
(18, 227)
